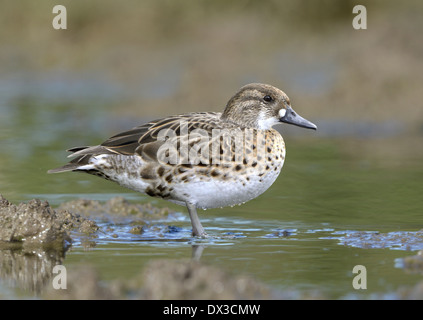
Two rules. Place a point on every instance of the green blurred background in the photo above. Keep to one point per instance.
(121, 63)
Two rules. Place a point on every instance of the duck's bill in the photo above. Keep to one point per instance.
(292, 117)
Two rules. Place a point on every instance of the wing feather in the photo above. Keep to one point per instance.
(136, 140)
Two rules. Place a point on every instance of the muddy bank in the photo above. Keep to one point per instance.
(171, 279)
(117, 207)
(37, 224)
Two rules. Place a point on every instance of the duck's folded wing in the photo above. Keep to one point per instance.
(146, 140)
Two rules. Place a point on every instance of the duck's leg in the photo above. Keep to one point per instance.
(197, 228)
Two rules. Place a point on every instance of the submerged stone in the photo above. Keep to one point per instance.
(403, 240)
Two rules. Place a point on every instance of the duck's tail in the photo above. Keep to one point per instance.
(81, 161)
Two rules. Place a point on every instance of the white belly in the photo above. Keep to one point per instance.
(217, 194)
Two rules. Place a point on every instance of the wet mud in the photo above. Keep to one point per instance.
(403, 240)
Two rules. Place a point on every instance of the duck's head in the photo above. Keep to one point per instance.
(261, 106)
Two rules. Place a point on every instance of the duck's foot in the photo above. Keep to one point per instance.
(202, 235)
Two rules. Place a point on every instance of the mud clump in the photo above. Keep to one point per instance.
(117, 207)
(166, 279)
(36, 224)
(32, 223)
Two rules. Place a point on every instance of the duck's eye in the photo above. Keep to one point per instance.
(268, 98)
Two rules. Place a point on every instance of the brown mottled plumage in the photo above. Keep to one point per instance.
(203, 159)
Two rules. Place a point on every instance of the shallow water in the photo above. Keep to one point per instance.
(303, 234)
